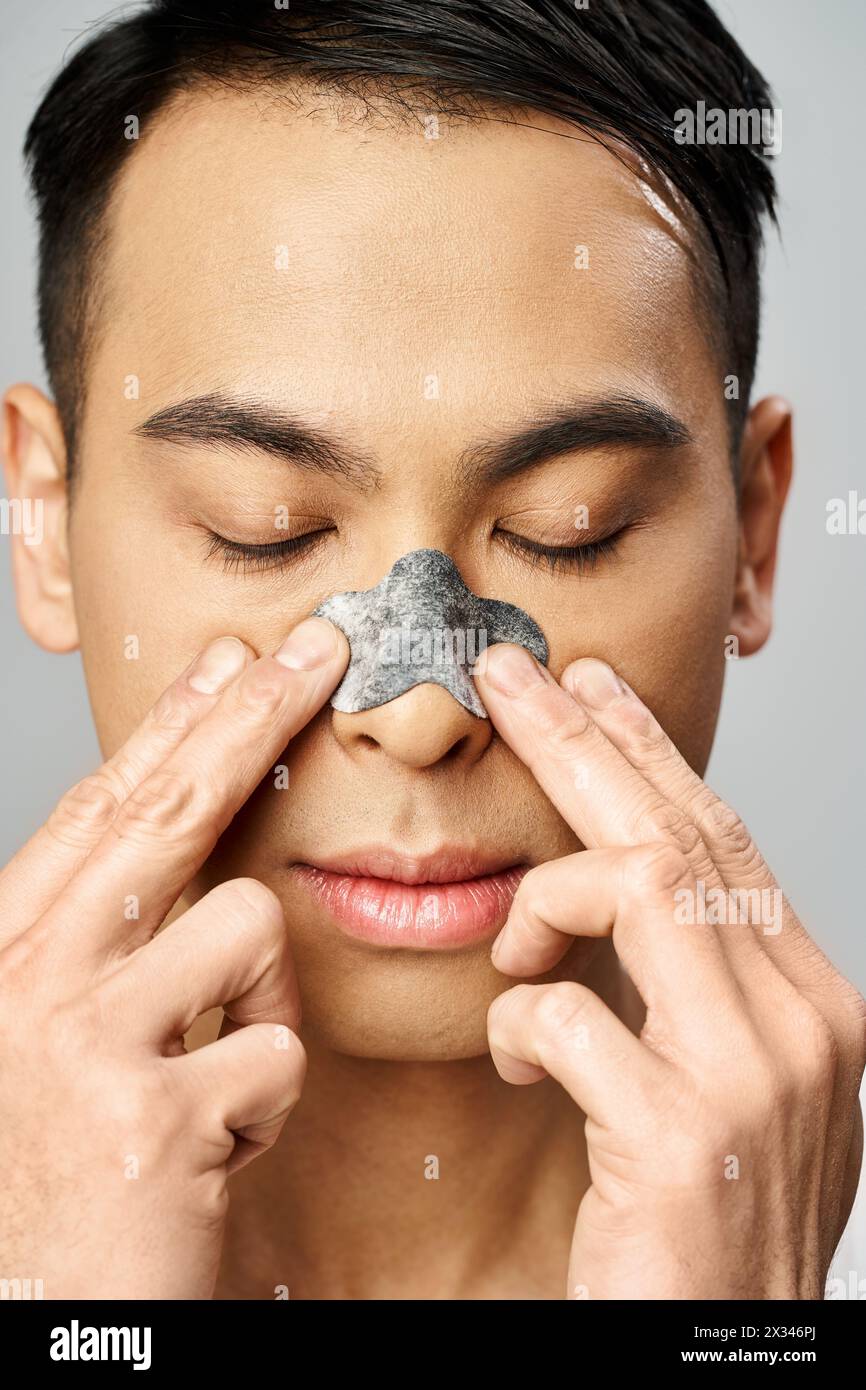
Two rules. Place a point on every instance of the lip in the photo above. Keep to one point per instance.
(442, 900)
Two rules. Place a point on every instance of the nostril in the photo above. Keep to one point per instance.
(425, 727)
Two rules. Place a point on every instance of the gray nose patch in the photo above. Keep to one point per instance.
(418, 624)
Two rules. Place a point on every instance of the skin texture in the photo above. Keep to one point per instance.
(409, 259)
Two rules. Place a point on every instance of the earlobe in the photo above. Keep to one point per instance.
(765, 475)
(34, 459)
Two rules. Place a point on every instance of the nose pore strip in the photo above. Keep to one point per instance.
(421, 623)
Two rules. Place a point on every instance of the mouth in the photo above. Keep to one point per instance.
(440, 901)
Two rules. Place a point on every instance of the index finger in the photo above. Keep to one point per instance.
(168, 826)
(597, 791)
(37, 874)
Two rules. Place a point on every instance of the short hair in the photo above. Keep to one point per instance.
(619, 70)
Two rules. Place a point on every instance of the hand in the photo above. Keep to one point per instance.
(724, 1143)
(115, 1144)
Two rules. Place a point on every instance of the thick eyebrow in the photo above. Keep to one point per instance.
(612, 422)
(259, 428)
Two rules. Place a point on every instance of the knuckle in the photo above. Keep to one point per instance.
(819, 1051)
(650, 743)
(845, 1009)
(259, 695)
(730, 832)
(164, 806)
(559, 1010)
(86, 811)
(565, 731)
(854, 1024)
(656, 869)
(669, 823)
(175, 709)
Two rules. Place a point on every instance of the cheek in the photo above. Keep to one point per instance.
(140, 622)
(662, 625)
(678, 671)
(130, 656)
(148, 602)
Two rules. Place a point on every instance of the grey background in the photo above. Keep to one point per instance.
(790, 752)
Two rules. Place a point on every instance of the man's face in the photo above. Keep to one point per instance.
(415, 298)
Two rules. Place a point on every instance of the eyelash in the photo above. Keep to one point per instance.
(578, 558)
(239, 555)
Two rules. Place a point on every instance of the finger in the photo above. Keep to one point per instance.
(768, 950)
(596, 790)
(229, 950)
(631, 894)
(565, 1031)
(168, 826)
(633, 729)
(754, 897)
(248, 1083)
(554, 903)
(34, 878)
(605, 799)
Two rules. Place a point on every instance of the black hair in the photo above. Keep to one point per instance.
(618, 69)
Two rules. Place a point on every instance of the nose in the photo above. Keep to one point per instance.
(421, 729)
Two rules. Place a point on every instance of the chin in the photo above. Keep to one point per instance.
(408, 1006)
(397, 1005)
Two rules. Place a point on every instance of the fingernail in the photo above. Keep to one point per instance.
(512, 670)
(218, 664)
(312, 643)
(494, 950)
(595, 683)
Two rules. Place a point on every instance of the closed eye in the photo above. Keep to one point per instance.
(240, 555)
(579, 558)
(246, 557)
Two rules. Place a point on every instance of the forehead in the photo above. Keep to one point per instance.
(298, 250)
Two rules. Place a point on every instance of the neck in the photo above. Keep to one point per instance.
(418, 1180)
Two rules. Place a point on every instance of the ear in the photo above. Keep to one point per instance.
(766, 463)
(34, 460)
